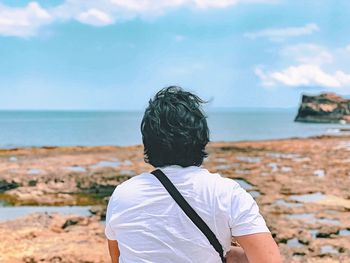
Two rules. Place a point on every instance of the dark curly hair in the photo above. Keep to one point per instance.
(174, 129)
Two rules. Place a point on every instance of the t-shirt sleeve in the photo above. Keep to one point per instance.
(245, 218)
(109, 232)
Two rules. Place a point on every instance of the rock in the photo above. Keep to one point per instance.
(301, 229)
(39, 237)
(4, 185)
(70, 222)
(324, 108)
(332, 200)
(99, 210)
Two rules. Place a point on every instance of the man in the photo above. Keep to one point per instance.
(145, 224)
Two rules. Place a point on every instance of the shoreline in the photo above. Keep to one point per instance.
(346, 133)
(300, 184)
(342, 131)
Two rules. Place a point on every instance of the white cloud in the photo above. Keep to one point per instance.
(309, 65)
(307, 53)
(154, 5)
(280, 34)
(217, 4)
(23, 22)
(95, 17)
(304, 75)
(146, 6)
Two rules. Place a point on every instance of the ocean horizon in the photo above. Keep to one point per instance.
(39, 128)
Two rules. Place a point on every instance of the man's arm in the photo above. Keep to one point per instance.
(260, 248)
(113, 250)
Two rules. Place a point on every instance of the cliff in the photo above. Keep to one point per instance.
(324, 108)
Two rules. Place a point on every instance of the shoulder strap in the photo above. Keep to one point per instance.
(189, 211)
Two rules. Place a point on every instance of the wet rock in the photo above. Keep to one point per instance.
(100, 189)
(326, 235)
(99, 210)
(70, 222)
(4, 185)
(323, 108)
(32, 182)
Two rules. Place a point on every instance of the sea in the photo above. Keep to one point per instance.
(92, 128)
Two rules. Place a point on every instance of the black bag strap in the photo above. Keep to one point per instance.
(189, 211)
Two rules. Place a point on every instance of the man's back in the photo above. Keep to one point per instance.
(151, 227)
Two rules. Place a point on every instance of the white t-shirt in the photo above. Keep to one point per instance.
(150, 226)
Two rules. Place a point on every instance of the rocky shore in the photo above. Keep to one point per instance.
(41, 237)
(301, 185)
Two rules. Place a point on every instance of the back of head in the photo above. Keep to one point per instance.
(174, 129)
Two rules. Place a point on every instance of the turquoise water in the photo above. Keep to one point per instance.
(57, 128)
(13, 212)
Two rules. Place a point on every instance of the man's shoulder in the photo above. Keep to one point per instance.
(203, 177)
(131, 185)
(219, 180)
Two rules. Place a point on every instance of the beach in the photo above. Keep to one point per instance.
(263, 84)
(301, 185)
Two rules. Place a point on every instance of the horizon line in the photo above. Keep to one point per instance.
(214, 109)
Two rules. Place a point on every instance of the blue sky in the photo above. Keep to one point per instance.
(115, 54)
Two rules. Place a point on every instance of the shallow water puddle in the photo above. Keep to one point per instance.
(319, 173)
(223, 166)
(244, 184)
(282, 155)
(13, 212)
(310, 218)
(75, 168)
(314, 197)
(344, 232)
(254, 194)
(242, 172)
(34, 171)
(301, 159)
(127, 173)
(127, 162)
(273, 166)
(328, 249)
(305, 216)
(282, 202)
(103, 164)
(249, 159)
(291, 156)
(220, 160)
(294, 242)
(328, 221)
(248, 187)
(313, 233)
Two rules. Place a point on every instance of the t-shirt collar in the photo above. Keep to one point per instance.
(174, 168)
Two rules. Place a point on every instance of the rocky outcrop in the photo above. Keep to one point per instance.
(324, 108)
(43, 237)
